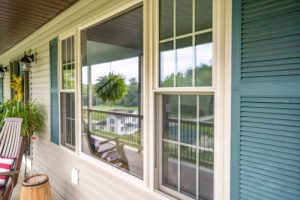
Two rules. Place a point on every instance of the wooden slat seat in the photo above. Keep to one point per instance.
(12, 145)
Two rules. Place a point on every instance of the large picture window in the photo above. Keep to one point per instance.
(67, 93)
(112, 112)
(186, 119)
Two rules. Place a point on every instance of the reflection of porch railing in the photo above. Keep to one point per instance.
(188, 135)
(110, 124)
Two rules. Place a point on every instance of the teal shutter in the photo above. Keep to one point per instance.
(54, 91)
(266, 100)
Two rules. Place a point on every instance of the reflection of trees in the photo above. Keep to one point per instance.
(132, 96)
(203, 77)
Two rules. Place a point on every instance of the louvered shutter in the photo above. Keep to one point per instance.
(266, 100)
(54, 91)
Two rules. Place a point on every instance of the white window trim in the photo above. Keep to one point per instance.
(61, 37)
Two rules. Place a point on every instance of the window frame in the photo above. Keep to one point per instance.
(220, 61)
(120, 9)
(61, 37)
(222, 85)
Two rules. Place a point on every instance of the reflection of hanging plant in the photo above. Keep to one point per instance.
(17, 86)
(111, 87)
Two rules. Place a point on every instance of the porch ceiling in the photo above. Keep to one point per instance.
(19, 18)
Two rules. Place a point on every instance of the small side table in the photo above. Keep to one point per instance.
(36, 187)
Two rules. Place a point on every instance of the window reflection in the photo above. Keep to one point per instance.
(193, 64)
(195, 125)
(111, 85)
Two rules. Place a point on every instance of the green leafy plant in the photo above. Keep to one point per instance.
(111, 87)
(32, 113)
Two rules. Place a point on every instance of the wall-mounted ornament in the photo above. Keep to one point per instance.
(3, 69)
(27, 60)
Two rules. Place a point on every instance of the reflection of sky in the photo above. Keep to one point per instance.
(185, 59)
(129, 68)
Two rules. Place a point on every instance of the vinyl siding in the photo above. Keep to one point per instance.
(95, 182)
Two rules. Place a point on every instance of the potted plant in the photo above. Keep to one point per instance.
(32, 113)
(111, 87)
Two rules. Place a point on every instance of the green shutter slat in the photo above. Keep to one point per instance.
(270, 42)
(272, 62)
(278, 156)
(271, 110)
(270, 13)
(267, 160)
(273, 68)
(54, 91)
(266, 100)
(271, 168)
(266, 192)
(284, 48)
(259, 119)
(271, 137)
(281, 105)
(270, 132)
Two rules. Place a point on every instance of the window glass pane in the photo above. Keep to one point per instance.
(170, 165)
(167, 64)
(206, 175)
(68, 64)
(204, 60)
(188, 119)
(166, 19)
(191, 61)
(185, 62)
(64, 51)
(85, 87)
(206, 147)
(188, 170)
(184, 11)
(112, 78)
(170, 117)
(203, 16)
(68, 76)
(68, 119)
(195, 146)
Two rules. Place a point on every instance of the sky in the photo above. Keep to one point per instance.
(129, 67)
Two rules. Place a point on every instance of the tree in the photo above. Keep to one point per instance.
(132, 97)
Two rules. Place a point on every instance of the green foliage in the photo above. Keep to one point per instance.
(32, 113)
(111, 87)
(203, 77)
(132, 97)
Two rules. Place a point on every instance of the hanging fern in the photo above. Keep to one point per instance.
(111, 87)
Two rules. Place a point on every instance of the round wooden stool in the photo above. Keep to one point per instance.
(36, 187)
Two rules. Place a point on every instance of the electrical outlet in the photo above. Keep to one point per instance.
(75, 176)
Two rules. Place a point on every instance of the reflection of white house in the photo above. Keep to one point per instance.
(119, 123)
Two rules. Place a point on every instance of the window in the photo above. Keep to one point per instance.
(185, 43)
(67, 93)
(185, 121)
(112, 121)
(112, 65)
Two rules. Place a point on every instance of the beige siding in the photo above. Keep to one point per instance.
(95, 182)
(6, 86)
